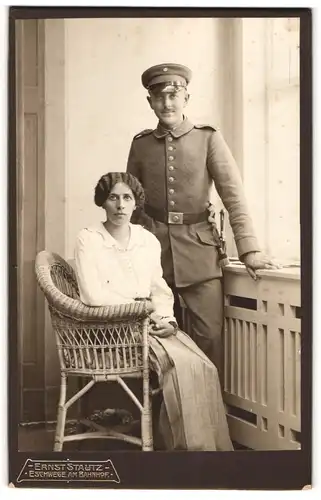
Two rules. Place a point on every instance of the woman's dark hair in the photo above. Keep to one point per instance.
(108, 181)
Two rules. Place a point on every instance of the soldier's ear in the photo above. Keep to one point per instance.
(149, 101)
(186, 98)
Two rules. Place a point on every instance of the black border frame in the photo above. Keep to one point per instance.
(268, 470)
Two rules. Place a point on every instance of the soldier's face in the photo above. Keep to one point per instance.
(168, 107)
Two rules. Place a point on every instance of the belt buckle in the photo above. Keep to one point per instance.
(175, 217)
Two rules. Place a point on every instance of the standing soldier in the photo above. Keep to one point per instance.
(177, 164)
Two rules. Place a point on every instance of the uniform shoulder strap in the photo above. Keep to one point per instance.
(206, 126)
(147, 131)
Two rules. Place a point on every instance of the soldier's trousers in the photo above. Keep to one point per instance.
(204, 302)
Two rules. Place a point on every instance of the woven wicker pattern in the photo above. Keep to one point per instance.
(95, 349)
(105, 343)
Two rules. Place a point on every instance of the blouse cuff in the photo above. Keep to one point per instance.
(170, 319)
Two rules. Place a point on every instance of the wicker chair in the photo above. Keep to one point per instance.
(105, 344)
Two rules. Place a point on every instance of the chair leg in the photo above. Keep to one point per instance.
(147, 435)
(147, 423)
(60, 429)
(61, 418)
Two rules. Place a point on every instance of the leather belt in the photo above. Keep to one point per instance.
(175, 217)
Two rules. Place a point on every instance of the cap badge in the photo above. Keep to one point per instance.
(165, 69)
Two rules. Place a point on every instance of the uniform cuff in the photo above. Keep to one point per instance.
(246, 245)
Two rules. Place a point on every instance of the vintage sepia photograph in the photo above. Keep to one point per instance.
(156, 172)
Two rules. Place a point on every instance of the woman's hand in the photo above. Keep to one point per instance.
(161, 326)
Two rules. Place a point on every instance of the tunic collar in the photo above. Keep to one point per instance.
(185, 127)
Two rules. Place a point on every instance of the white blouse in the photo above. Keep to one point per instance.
(108, 274)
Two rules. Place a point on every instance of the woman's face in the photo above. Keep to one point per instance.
(120, 204)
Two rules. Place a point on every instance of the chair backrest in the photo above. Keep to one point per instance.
(55, 274)
(64, 278)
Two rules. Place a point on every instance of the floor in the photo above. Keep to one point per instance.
(41, 438)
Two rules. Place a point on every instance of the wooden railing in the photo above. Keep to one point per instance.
(262, 351)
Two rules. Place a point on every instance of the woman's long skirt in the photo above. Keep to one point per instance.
(192, 415)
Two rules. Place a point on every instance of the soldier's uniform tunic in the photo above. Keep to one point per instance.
(177, 168)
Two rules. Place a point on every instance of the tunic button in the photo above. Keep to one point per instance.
(171, 167)
(172, 203)
(171, 191)
(171, 158)
(171, 179)
(170, 148)
(170, 139)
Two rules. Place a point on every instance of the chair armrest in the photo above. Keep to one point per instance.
(75, 309)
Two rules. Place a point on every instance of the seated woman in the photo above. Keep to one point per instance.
(118, 262)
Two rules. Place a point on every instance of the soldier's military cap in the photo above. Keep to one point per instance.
(166, 77)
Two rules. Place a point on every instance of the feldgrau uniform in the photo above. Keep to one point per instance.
(177, 168)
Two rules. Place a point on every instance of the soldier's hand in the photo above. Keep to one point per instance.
(211, 213)
(255, 261)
